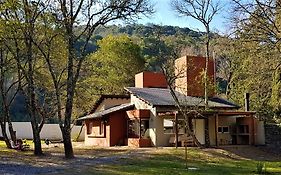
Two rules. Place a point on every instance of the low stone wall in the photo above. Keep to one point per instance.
(273, 137)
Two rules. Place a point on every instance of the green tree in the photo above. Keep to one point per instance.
(114, 65)
(257, 35)
(93, 14)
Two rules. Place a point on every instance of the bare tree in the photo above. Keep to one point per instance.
(89, 14)
(181, 101)
(204, 12)
(9, 82)
(21, 22)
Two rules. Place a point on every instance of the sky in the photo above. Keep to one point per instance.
(164, 15)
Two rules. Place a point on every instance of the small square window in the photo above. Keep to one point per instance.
(223, 129)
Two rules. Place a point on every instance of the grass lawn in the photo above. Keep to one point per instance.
(124, 160)
(205, 162)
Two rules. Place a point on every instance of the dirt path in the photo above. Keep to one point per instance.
(54, 163)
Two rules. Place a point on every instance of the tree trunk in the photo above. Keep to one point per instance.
(206, 69)
(66, 130)
(207, 137)
(11, 130)
(4, 134)
(68, 150)
(32, 95)
(80, 132)
(37, 141)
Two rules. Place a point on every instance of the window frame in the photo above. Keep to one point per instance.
(221, 129)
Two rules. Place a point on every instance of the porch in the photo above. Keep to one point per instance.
(221, 127)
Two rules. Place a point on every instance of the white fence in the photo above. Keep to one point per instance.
(50, 131)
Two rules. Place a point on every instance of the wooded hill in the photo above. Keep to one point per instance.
(151, 39)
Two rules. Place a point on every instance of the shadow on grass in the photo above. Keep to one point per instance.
(257, 153)
(175, 164)
(19, 169)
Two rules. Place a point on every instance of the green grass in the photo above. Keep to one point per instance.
(154, 161)
(173, 162)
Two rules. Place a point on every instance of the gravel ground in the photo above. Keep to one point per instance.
(55, 163)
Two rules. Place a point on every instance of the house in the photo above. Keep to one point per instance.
(149, 115)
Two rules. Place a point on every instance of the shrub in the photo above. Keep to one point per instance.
(261, 169)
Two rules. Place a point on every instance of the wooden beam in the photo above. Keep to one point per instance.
(140, 128)
(207, 132)
(177, 131)
(253, 130)
(216, 128)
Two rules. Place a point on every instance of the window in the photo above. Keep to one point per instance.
(144, 128)
(133, 129)
(101, 127)
(89, 128)
(223, 129)
(170, 127)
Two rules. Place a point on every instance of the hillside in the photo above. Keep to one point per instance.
(151, 38)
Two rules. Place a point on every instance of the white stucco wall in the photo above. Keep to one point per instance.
(260, 135)
(154, 122)
(50, 131)
(199, 130)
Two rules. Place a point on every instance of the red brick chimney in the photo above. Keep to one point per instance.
(189, 70)
(150, 80)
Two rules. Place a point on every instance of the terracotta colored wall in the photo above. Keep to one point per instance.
(191, 82)
(93, 140)
(136, 142)
(150, 80)
(118, 128)
(138, 113)
(252, 127)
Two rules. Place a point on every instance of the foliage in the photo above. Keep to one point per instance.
(249, 60)
(260, 167)
(147, 30)
(114, 65)
(181, 41)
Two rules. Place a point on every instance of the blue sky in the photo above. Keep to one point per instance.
(164, 15)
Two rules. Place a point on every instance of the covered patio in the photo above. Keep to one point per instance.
(224, 128)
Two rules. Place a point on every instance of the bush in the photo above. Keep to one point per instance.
(261, 169)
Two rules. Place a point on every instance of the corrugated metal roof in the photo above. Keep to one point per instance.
(163, 97)
(108, 111)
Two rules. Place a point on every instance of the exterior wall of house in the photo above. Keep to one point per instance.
(96, 140)
(155, 122)
(110, 102)
(190, 70)
(251, 122)
(225, 138)
(118, 128)
(114, 132)
(260, 137)
(150, 80)
(199, 130)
